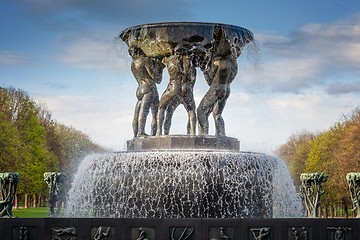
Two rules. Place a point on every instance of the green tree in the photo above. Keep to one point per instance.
(34, 152)
(321, 159)
(295, 152)
(349, 156)
(74, 146)
(51, 138)
(24, 138)
(346, 158)
(32, 143)
(335, 152)
(9, 144)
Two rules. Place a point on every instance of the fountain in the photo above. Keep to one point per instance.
(195, 175)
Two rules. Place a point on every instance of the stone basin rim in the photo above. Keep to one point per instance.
(199, 151)
(181, 23)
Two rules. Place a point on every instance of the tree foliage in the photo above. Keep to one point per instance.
(32, 143)
(335, 152)
(295, 152)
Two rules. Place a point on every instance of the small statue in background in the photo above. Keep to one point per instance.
(55, 181)
(147, 72)
(353, 180)
(8, 186)
(311, 191)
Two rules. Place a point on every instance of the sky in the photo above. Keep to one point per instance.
(302, 73)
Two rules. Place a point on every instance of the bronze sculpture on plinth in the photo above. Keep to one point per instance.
(311, 191)
(182, 47)
(55, 182)
(353, 180)
(184, 175)
(8, 186)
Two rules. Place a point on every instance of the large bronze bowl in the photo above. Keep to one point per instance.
(160, 39)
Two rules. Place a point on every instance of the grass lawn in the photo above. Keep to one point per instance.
(41, 212)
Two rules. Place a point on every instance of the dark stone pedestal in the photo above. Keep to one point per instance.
(191, 228)
(183, 142)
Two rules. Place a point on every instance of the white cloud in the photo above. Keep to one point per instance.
(97, 52)
(83, 53)
(341, 87)
(312, 110)
(291, 74)
(106, 123)
(271, 38)
(13, 58)
(312, 55)
(351, 54)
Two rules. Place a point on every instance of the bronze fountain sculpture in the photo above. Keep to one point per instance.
(194, 175)
(213, 48)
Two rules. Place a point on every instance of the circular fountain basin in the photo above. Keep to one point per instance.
(183, 184)
(160, 39)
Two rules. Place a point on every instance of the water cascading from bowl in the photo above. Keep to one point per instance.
(180, 184)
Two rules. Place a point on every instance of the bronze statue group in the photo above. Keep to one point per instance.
(218, 63)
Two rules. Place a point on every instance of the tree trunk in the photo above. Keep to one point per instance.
(26, 205)
(34, 201)
(346, 211)
(39, 201)
(341, 210)
(16, 202)
(335, 212)
(326, 212)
